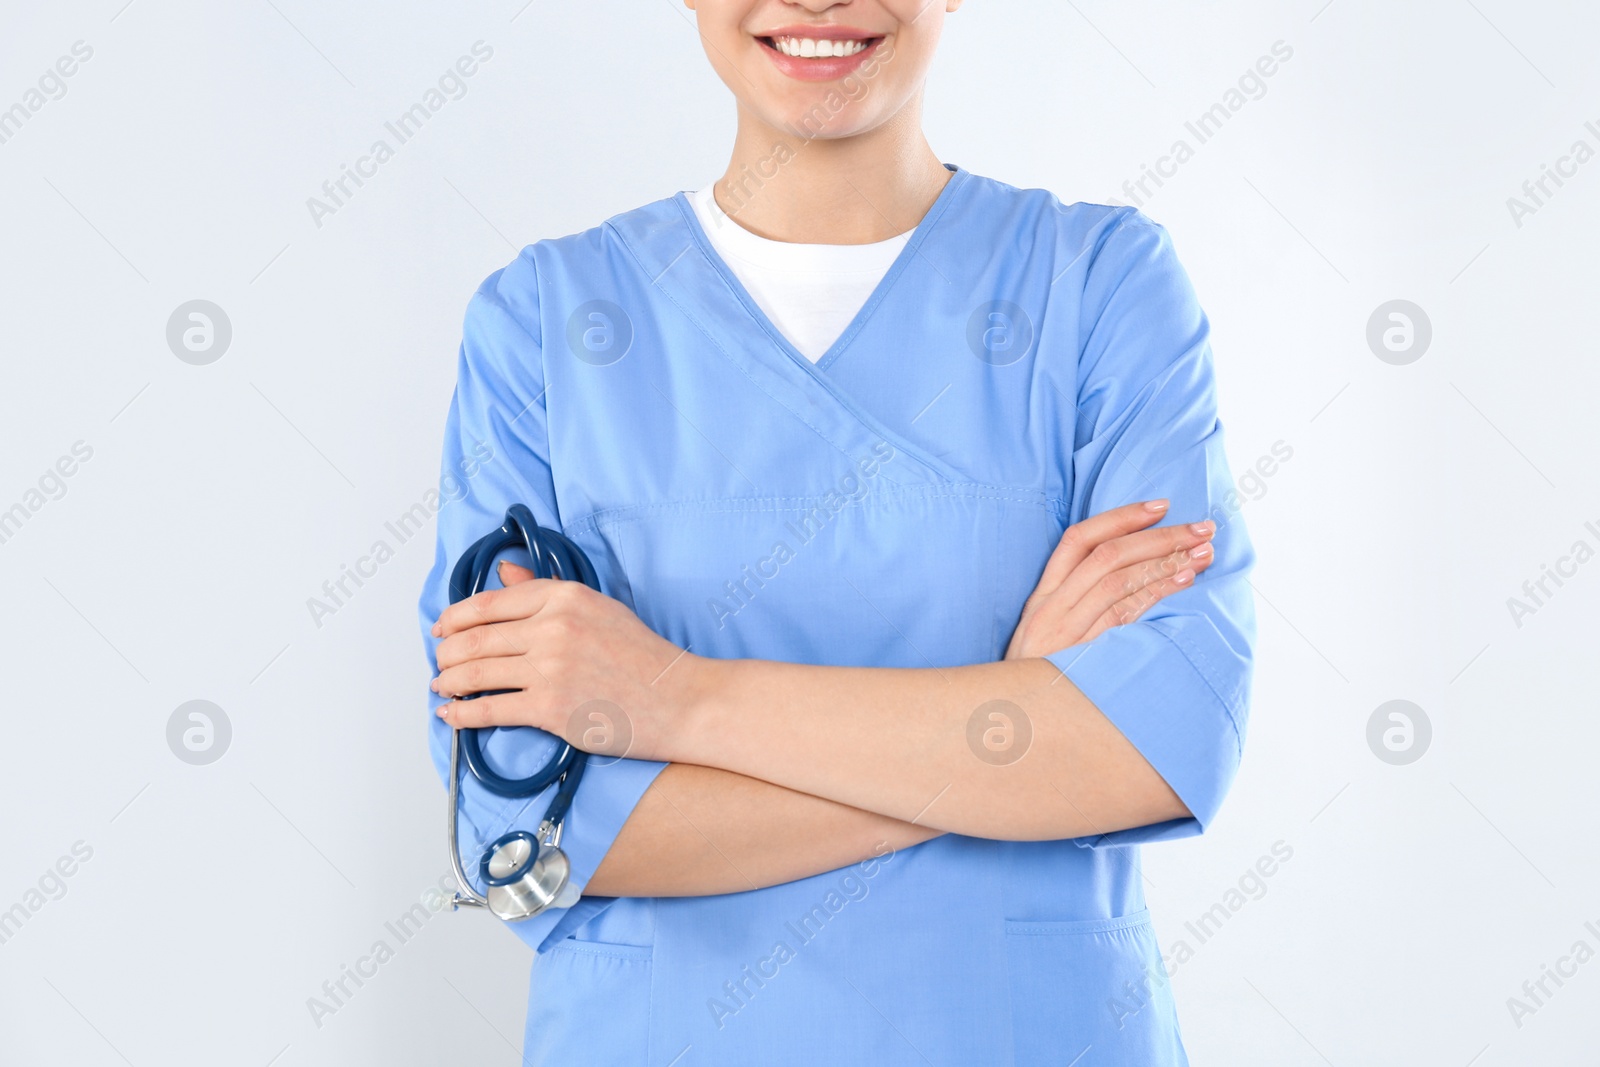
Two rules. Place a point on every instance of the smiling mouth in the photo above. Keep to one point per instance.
(819, 47)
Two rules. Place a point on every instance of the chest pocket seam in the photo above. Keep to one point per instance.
(615, 516)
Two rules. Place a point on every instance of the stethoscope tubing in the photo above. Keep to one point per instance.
(553, 556)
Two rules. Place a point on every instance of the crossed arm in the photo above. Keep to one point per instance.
(814, 804)
(779, 771)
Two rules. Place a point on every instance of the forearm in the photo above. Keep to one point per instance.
(701, 831)
(901, 742)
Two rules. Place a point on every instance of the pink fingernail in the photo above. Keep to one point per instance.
(1157, 506)
(1183, 577)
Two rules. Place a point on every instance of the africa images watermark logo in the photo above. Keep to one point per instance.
(51, 485)
(1137, 994)
(1537, 192)
(51, 885)
(1537, 992)
(850, 490)
(451, 85)
(337, 992)
(50, 85)
(852, 885)
(1537, 591)
(1252, 85)
(337, 591)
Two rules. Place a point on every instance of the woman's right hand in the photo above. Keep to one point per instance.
(1106, 571)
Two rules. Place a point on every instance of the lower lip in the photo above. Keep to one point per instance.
(819, 70)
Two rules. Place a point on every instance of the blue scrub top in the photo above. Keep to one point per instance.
(1023, 364)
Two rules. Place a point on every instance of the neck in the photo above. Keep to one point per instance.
(850, 190)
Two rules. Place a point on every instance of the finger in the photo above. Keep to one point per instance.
(512, 574)
(1132, 608)
(1128, 581)
(1113, 564)
(520, 601)
(502, 709)
(480, 675)
(1079, 539)
(480, 642)
(1098, 611)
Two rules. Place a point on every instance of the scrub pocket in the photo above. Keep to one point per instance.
(1090, 993)
(588, 1002)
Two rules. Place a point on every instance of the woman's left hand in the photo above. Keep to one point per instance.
(1107, 571)
(582, 665)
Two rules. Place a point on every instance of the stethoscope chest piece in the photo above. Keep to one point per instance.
(525, 876)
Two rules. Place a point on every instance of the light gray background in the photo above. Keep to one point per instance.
(178, 563)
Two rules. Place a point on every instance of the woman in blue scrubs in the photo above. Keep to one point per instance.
(925, 599)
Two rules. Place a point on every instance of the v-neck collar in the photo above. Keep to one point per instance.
(675, 255)
(958, 177)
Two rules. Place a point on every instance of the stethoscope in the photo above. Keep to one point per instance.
(525, 873)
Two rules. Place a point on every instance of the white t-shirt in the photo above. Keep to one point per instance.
(810, 292)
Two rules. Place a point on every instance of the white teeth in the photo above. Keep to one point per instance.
(815, 48)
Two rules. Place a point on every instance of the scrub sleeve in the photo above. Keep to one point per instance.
(1176, 682)
(496, 453)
